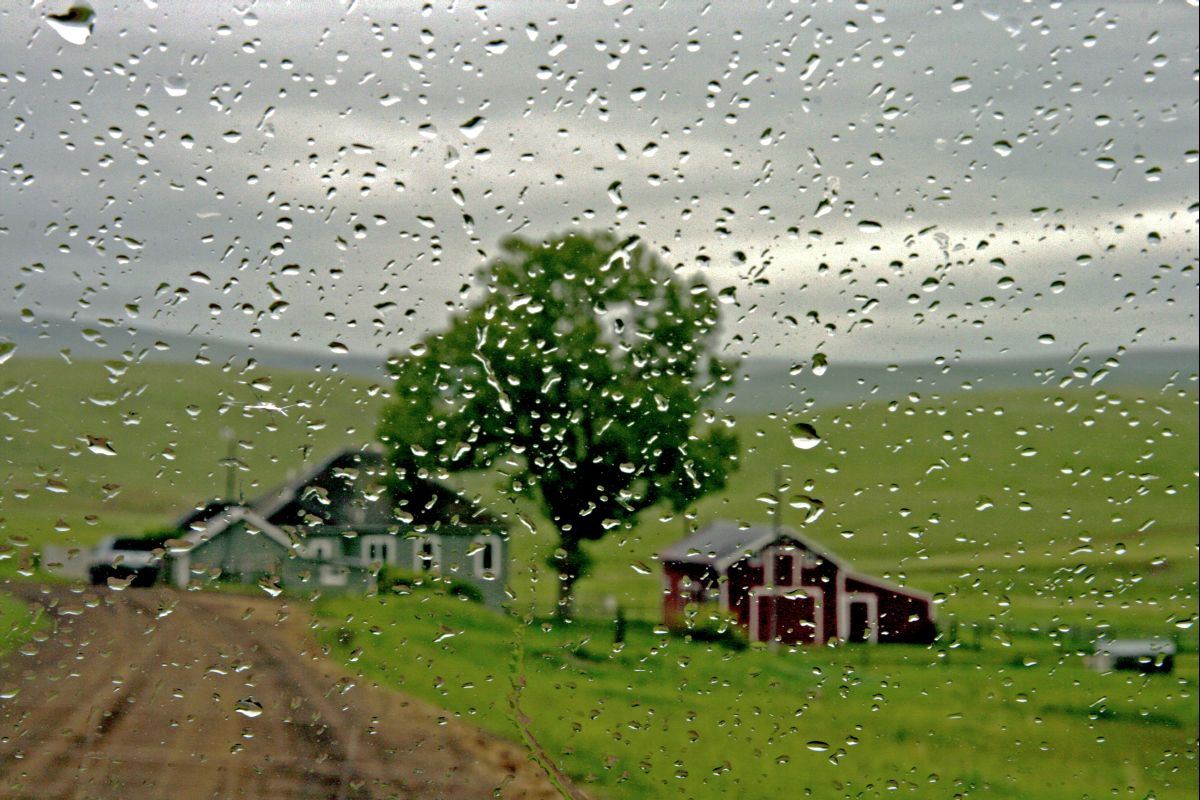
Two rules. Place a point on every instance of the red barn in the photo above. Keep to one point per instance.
(780, 586)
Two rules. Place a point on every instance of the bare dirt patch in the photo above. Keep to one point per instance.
(157, 693)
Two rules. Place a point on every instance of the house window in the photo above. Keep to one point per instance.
(381, 549)
(333, 575)
(319, 549)
(485, 552)
(427, 554)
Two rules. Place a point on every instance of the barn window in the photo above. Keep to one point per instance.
(784, 569)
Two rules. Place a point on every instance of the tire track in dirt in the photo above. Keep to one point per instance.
(154, 693)
(54, 726)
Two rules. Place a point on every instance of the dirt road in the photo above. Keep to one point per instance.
(156, 693)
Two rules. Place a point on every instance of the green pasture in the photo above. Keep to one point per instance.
(165, 423)
(1035, 518)
(661, 716)
(18, 622)
(1035, 508)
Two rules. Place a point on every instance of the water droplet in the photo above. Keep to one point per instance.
(100, 446)
(817, 746)
(472, 127)
(640, 568)
(270, 586)
(820, 364)
(75, 24)
(1003, 147)
(805, 436)
(445, 633)
(249, 707)
(813, 506)
(960, 84)
(175, 85)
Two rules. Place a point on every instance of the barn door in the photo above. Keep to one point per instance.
(860, 622)
(790, 618)
(796, 619)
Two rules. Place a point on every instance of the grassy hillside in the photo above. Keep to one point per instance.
(1034, 507)
(165, 424)
(662, 717)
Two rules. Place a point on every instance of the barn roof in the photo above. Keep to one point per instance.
(722, 542)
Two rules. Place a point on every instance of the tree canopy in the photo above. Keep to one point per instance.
(586, 365)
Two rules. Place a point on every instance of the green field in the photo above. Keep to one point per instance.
(165, 423)
(18, 622)
(1040, 516)
(1019, 717)
(1029, 508)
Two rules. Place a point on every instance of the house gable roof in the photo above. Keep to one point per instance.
(230, 517)
(723, 542)
(351, 487)
(200, 515)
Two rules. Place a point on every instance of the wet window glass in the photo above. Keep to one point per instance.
(598, 399)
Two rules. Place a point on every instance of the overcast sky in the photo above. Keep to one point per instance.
(896, 184)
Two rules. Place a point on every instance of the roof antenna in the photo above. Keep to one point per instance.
(778, 523)
(230, 463)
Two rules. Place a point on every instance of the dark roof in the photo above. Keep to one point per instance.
(722, 542)
(354, 487)
(201, 514)
(719, 541)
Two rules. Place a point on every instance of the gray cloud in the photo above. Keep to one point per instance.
(715, 132)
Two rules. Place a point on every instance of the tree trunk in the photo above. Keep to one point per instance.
(566, 594)
(569, 562)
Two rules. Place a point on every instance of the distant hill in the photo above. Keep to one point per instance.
(94, 340)
(774, 384)
(764, 384)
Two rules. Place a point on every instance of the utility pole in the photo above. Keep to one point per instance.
(230, 463)
(778, 522)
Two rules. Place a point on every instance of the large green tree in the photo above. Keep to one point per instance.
(586, 365)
